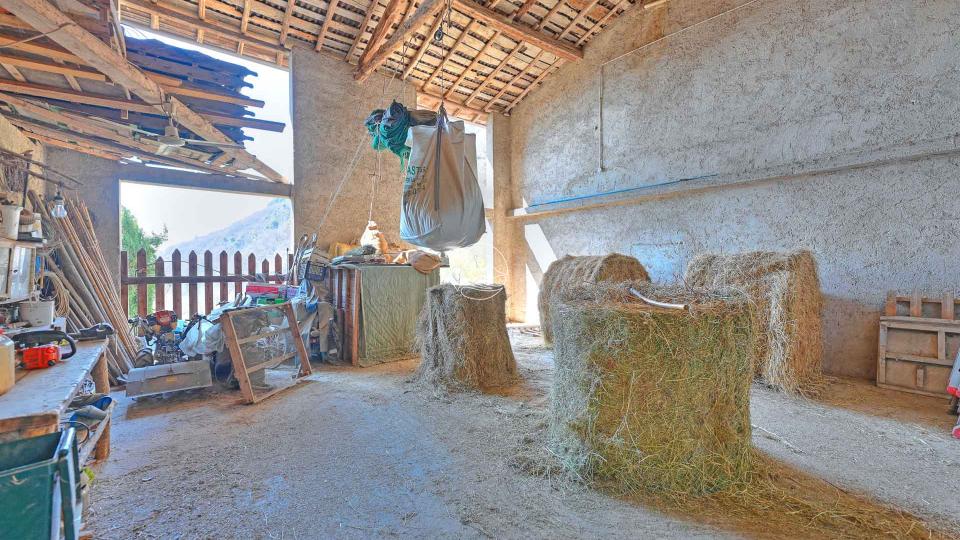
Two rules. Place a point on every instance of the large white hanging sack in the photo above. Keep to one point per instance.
(442, 206)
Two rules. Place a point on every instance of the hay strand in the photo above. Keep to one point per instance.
(653, 398)
(568, 272)
(462, 338)
(786, 294)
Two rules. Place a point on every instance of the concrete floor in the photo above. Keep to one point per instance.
(364, 453)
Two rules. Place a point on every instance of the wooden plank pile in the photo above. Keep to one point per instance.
(76, 258)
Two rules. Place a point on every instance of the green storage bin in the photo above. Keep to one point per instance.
(38, 484)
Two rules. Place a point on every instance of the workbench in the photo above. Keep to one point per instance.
(37, 401)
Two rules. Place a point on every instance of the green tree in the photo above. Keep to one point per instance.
(133, 239)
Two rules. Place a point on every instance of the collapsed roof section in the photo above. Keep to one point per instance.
(491, 56)
(70, 78)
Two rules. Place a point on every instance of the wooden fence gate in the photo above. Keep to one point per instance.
(165, 278)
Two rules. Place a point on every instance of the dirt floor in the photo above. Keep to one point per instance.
(359, 453)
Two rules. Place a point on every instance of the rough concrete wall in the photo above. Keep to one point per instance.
(13, 140)
(777, 83)
(100, 192)
(329, 108)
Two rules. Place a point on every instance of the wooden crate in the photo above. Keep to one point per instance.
(919, 339)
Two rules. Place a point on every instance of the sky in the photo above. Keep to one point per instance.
(188, 213)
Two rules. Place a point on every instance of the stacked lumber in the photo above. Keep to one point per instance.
(80, 265)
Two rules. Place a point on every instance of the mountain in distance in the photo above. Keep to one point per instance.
(263, 233)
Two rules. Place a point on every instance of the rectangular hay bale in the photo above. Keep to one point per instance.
(653, 400)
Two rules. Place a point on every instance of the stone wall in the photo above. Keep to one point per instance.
(330, 142)
(839, 114)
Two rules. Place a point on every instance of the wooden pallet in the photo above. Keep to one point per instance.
(919, 339)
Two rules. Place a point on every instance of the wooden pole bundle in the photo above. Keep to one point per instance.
(88, 280)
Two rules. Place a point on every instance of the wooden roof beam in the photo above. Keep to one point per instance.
(369, 64)
(327, 19)
(473, 64)
(45, 17)
(363, 28)
(518, 32)
(427, 40)
(390, 14)
(450, 52)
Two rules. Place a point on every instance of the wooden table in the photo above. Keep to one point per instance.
(37, 401)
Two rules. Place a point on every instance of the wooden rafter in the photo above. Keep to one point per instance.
(519, 32)
(287, 19)
(524, 8)
(493, 74)
(621, 5)
(473, 64)
(390, 14)
(245, 18)
(553, 11)
(576, 20)
(424, 12)
(532, 85)
(449, 54)
(363, 28)
(44, 17)
(508, 84)
(427, 40)
(327, 19)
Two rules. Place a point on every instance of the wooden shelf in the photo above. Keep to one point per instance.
(89, 446)
(8, 243)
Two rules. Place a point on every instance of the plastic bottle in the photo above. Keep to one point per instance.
(8, 363)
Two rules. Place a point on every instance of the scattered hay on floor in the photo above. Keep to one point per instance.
(655, 400)
(570, 271)
(786, 293)
(462, 338)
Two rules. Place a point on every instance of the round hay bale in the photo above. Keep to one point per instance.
(652, 399)
(786, 292)
(570, 271)
(462, 338)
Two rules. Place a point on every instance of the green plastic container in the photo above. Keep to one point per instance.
(39, 480)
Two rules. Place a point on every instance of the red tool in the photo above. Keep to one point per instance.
(40, 357)
(40, 349)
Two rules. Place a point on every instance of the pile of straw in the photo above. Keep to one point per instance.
(653, 400)
(569, 272)
(786, 292)
(462, 338)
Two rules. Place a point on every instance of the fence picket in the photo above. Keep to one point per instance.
(142, 287)
(192, 285)
(177, 291)
(141, 279)
(160, 289)
(208, 285)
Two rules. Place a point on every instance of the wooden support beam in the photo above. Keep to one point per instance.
(51, 67)
(49, 141)
(524, 8)
(553, 11)
(518, 32)
(46, 18)
(202, 9)
(473, 64)
(245, 18)
(14, 72)
(508, 84)
(493, 74)
(536, 82)
(363, 28)
(576, 20)
(424, 13)
(428, 39)
(287, 19)
(322, 34)
(621, 5)
(450, 52)
(390, 14)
